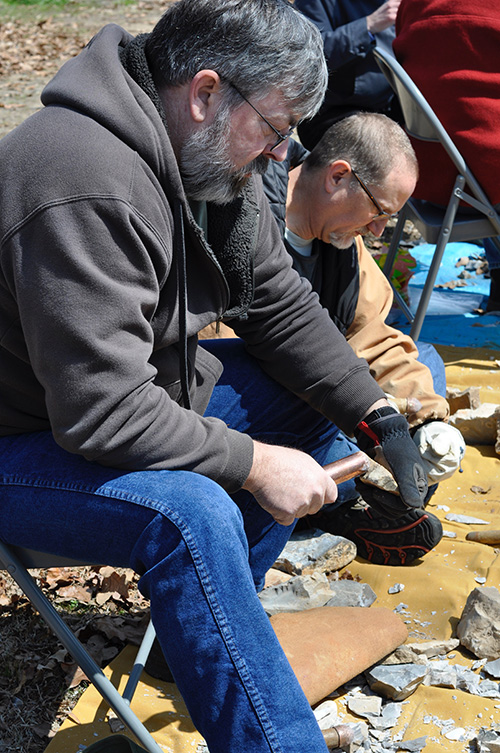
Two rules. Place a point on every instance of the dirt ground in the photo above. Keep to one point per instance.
(34, 43)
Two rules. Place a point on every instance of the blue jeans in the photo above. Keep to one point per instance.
(201, 555)
(343, 446)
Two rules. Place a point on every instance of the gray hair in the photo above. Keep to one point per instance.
(257, 45)
(372, 143)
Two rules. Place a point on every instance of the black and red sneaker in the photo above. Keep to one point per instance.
(384, 541)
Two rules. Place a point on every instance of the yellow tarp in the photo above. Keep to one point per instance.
(435, 592)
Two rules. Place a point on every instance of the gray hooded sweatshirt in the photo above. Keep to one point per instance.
(93, 319)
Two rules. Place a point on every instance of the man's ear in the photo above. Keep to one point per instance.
(204, 91)
(336, 173)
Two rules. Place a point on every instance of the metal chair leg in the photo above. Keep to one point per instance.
(95, 674)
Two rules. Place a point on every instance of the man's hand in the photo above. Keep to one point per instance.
(288, 483)
(383, 17)
(385, 430)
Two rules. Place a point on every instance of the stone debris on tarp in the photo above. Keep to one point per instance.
(493, 668)
(400, 674)
(314, 550)
(380, 702)
(308, 591)
(360, 700)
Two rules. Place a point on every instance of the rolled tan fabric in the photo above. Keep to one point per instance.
(328, 646)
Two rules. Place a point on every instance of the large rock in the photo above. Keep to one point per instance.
(479, 626)
(302, 592)
(315, 550)
(478, 425)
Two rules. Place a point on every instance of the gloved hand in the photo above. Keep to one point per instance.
(441, 448)
(386, 430)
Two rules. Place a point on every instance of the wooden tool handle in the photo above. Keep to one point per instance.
(349, 467)
(484, 537)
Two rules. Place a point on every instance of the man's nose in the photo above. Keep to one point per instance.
(377, 227)
(278, 154)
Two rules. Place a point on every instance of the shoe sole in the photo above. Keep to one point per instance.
(428, 536)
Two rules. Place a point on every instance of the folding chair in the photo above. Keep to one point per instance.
(17, 561)
(437, 225)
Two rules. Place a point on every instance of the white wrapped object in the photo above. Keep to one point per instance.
(441, 448)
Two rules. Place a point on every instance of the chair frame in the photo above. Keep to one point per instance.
(437, 225)
(16, 561)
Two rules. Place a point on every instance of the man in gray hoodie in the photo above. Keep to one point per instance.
(131, 218)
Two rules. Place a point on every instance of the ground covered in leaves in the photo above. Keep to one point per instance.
(36, 39)
(39, 681)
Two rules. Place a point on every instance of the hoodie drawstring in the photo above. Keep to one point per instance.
(180, 254)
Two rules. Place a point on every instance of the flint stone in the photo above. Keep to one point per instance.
(478, 425)
(462, 399)
(388, 717)
(396, 588)
(479, 626)
(360, 734)
(414, 746)
(313, 550)
(377, 475)
(458, 734)
(434, 648)
(493, 668)
(298, 593)
(489, 689)
(405, 654)
(397, 681)
(350, 593)
(274, 577)
(420, 653)
(302, 592)
(488, 741)
(467, 680)
(441, 674)
(466, 519)
(327, 714)
(365, 705)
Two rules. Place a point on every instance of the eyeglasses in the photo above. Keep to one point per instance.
(381, 214)
(280, 136)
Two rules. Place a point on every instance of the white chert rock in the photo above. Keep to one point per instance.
(478, 425)
(479, 626)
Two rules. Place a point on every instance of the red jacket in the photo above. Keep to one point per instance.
(451, 50)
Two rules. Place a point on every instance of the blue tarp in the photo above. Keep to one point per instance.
(450, 318)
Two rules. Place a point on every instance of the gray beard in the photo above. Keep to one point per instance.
(206, 170)
(341, 241)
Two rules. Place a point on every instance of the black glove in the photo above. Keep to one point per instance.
(387, 429)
